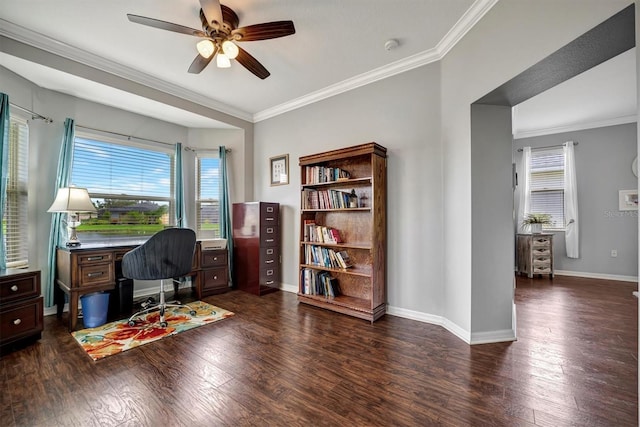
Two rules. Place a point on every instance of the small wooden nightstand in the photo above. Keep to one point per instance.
(535, 254)
(21, 306)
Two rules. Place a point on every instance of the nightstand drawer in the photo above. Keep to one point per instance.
(541, 242)
(21, 320)
(19, 288)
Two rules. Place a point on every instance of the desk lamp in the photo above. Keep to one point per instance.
(72, 201)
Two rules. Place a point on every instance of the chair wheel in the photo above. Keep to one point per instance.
(163, 324)
(192, 312)
(132, 323)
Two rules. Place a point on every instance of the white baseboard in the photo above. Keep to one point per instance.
(615, 277)
(489, 337)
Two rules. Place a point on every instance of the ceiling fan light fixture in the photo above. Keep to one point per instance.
(230, 49)
(222, 61)
(205, 48)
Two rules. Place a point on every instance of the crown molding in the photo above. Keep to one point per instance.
(477, 10)
(40, 41)
(573, 127)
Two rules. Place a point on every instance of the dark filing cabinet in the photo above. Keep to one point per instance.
(256, 247)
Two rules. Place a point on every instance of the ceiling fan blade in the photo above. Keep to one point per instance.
(251, 64)
(164, 25)
(268, 30)
(200, 62)
(212, 11)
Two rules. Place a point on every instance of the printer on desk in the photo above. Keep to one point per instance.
(213, 244)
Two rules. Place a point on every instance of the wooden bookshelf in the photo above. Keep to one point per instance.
(362, 287)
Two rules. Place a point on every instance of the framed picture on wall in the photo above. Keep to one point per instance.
(279, 167)
(628, 200)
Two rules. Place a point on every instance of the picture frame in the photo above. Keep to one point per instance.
(279, 169)
(628, 200)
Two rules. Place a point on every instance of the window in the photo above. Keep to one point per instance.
(15, 214)
(131, 186)
(207, 197)
(547, 185)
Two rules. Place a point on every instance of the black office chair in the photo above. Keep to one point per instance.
(168, 254)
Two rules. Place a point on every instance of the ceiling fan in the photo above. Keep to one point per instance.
(220, 33)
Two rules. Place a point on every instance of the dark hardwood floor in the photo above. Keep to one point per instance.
(284, 364)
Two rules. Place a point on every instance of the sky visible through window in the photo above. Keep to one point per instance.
(106, 168)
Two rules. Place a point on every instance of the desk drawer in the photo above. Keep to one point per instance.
(19, 288)
(96, 274)
(214, 278)
(213, 258)
(21, 320)
(95, 257)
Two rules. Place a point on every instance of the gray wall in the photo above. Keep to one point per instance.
(492, 218)
(603, 166)
(400, 113)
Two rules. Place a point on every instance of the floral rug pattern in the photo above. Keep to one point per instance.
(116, 337)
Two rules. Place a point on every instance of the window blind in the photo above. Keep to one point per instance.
(208, 197)
(15, 218)
(547, 185)
(131, 187)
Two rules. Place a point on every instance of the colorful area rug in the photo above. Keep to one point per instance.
(116, 337)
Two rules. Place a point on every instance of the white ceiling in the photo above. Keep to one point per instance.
(338, 45)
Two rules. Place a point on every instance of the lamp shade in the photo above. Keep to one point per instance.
(72, 199)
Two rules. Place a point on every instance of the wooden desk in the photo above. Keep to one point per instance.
(95, 267)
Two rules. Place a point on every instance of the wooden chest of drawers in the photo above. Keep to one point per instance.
(256, 246)
(535, 254)
(21, 306)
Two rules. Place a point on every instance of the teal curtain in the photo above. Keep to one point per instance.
(4, 166)
(63, 178)
(179, 188)
(225, 208)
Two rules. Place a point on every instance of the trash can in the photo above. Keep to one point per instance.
(95, 307)
(121, 299)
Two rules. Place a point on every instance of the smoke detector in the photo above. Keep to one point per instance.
(391, 44)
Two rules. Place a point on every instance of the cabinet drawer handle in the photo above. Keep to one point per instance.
(17, 321)
(269, 219)
(215, 258)
(269, 272)
(215, 277)
(270, 230)
(270, 282)
(269, 209)
(14, 288)
(94, 258)
(269, 240)
(268, 261)
(269, 251)
(99, 273)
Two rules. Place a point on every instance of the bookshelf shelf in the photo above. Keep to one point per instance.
(360, 290)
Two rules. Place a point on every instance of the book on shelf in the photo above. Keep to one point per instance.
(320, 174)
(343, 259)
(313, 232)
(316, 282)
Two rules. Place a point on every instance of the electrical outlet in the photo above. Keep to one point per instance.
(614, 253)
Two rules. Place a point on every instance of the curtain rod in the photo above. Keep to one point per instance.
(205, 150)
(548, 146)
(34, 115)
(125, 135)
(228, 150)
